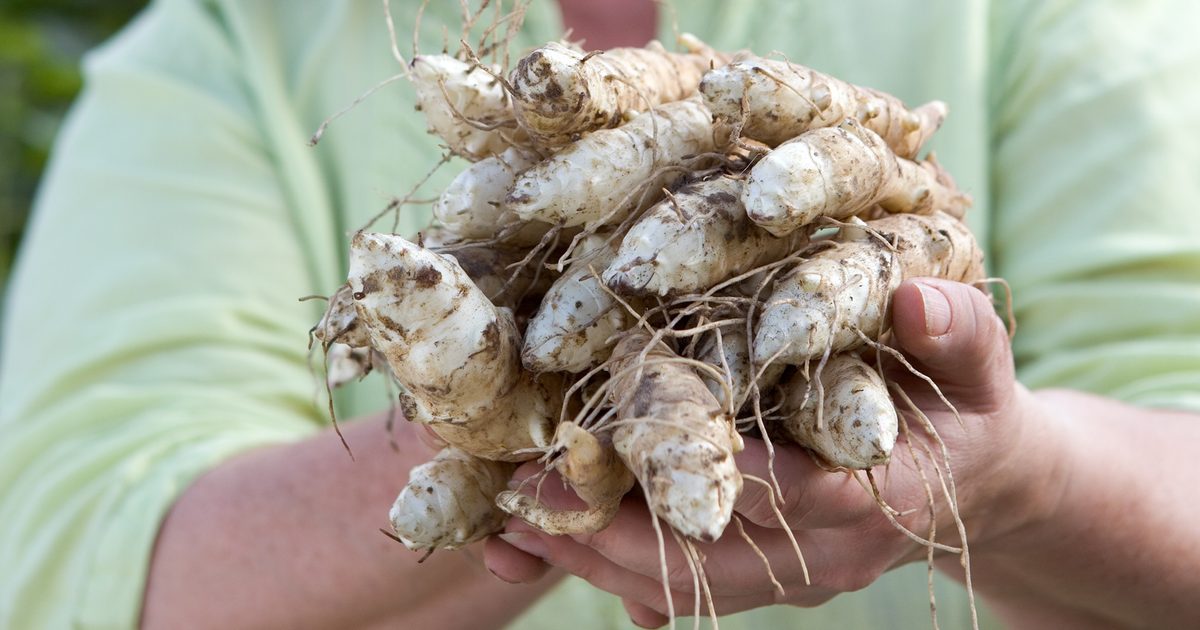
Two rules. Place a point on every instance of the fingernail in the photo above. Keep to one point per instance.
(937, 310)
(501, 577)
(529, 543)
(519, 479)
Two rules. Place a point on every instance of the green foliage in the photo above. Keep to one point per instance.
(41, 43)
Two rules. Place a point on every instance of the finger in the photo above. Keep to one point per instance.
(629, 539)
(431, 440)
(554, 492)
(588, 564)
(954, 334)
(529, 475)
(630, 542)
(555, 506)
(837, 561)
(812, 498)
(630, 545)
(644, 616)
(733, 568)
(510, 564)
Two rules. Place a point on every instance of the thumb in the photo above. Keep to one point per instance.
(955, 337)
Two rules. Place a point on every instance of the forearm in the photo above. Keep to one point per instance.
(1120, 546)
(288, 536)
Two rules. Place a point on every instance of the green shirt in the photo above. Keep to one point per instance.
(153, 330)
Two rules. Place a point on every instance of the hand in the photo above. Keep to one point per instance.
(950, 332)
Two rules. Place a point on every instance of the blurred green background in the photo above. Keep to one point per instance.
(41, 44)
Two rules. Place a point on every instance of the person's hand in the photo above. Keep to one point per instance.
(950, 332)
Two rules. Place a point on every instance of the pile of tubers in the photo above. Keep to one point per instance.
(650, 254)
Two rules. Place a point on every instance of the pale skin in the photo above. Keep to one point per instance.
(1071, 522)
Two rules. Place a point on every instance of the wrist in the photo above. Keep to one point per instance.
(1027, 485)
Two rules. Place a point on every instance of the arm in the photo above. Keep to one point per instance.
(288, 536)
(1103, 257)
(1121, 546)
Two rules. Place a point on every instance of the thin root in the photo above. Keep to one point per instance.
(783, 525)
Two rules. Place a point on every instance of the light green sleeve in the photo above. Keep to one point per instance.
(152, 327)
(1096, 181)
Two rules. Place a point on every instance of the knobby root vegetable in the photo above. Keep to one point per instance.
(846, 289)
(585, 182)
(344, 364)
(592, 469)
(452, 350)
(590, 465)
(838, 172)
(709, 294)
(673, 435)
(855, 426)
(732, 358)
(696, 46)
(463, 104)
(512, 234)
(472, 206)
(449, 502)
(344, 341)
(340, 322)
(489, 268)
(693, 240)
(573, 325)
(560, 93)
(775, 101)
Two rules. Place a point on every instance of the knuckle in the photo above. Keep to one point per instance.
(587, 571)
(856, 581)
(608, 542)
(755, 506)
(809, 598)
(849, 579)
(794, 505)
(566, 554)
(656, 602)
(681, 576)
